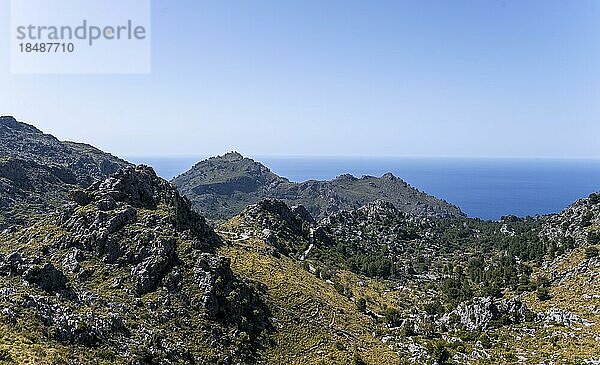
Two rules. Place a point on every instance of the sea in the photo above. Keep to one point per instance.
(482, 187)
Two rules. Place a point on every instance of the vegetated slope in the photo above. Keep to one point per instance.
(125, 273)
(433, 290)
(37, 171)
(221, 187)
(313, 322)
(566, 304)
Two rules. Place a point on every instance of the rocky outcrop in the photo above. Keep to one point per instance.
(67, 326)
(575, 226)
(374, 226)
(562, 317)
(46, 276)
(131, 246)
(287, 229)
(483, 312)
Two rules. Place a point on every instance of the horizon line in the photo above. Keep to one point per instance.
(361, 156)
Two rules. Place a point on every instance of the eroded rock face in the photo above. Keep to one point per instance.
(158, 260)
(481, 312)
(12, 264)
(562, 317)
(212, 275)
(129, 266)
(300, 211)
(67, 326)
(109, 208)
(574, 225)
(478, 314)
(514, 310)
(366, 229)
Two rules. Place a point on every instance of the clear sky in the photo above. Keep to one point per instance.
(388, 78)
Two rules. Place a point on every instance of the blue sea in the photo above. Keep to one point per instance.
(483, 188)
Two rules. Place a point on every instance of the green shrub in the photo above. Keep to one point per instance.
(357, 360)
(361, 304)
(543, 293)
(591, 251)
(593, 237)
(440, 353)
(486, 342)
(5, 356)
(586, 219)
(393, 317)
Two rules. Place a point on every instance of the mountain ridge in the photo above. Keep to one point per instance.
(37, 170)
(221, 186)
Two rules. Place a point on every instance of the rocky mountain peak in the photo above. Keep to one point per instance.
(389, 176)
(230, 165)
(10, 124)
(138, 186)
(233, 156)
(37, 171)
(8, 121)
(132, 244)
(284, 227)
(347, 177)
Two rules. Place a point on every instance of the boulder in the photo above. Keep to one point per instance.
(47, 277)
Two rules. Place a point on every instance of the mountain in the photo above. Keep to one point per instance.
(121, 270)
(220, 187)
(125, 273)
(37, 171)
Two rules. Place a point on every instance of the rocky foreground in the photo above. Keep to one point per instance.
(130, 272)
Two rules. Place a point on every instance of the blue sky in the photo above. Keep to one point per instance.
(371, 78)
